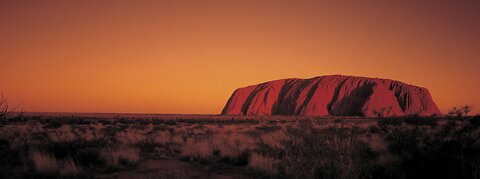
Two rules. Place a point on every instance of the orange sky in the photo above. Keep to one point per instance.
(189, 56)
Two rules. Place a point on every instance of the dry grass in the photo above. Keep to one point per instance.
(263, 163)
(121, 156)
(271, 147)
(44, 163)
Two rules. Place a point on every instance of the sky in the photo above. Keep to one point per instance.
(188, 56)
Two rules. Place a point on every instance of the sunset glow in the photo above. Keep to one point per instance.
(188, 57)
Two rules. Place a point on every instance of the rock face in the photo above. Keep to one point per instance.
(334, 95)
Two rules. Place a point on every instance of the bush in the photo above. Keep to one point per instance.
(374, 129)
(268, 128)
(90, 157)
(243, 158)
(8, 157)
(412, 151)
(421, 121)
(475, 121)
(53, 125)
(422, 154)
(34, 175)
(3, 107)
(460, 111)
(384, 122)
(328, 153)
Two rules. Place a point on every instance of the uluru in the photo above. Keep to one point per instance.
(332, 95)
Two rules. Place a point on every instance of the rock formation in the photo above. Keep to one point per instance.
(334, 95)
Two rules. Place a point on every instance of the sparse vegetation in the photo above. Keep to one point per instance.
(460, 111)
(3, 107)
(401, 147)
(475, 121)
(322, 153)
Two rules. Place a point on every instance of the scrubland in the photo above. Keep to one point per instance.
(196, 146)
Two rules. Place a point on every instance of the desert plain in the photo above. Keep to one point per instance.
(62, 145)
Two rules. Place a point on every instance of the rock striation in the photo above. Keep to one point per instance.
(334, 95)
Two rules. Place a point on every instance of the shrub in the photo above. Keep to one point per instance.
(148, 144)
(8, 157)
(263, 163)
(374, 129)
(3, 107)
(90, 157)
(243, 158)
(268, 128)
(66, 149)
(475, 121)
(384, 122)
(327, 153)
(421, 121)
(460, 111)
(450, 153)
(53, 125)
(35, 175)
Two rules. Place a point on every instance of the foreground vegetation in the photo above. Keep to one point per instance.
(185, 146)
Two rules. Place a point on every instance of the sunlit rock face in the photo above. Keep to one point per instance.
(334, 95)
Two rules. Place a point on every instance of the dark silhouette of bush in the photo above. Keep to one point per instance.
(322, 153)
(460, 111)
(53, 125)
(3, 107)
(421, 121)
(55, 175)
(85, 153)
(8, 157)
(384, 123)
(243, 158)
(475, 121)
(416, 150)
(374, 129)
(268, 128)
(451, 153)
(89, 158)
